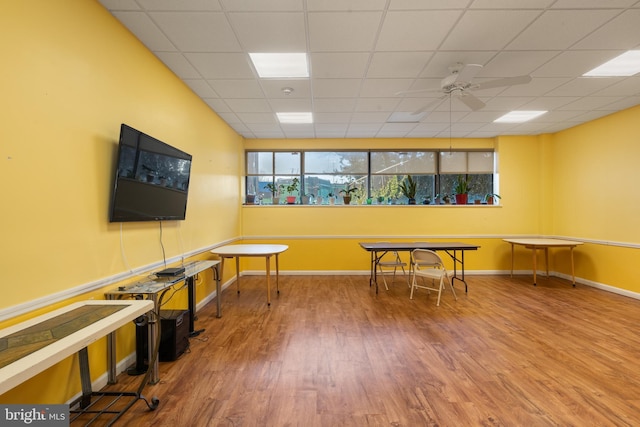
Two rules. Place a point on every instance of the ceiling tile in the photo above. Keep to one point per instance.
(487, 29)
(146, 31)
(397, 64)
(290, 105)
(345, 5)
(197, 31)
(339, 64)
(270, 32)
(619, 33)
(261, 5)
(274, 88)
(201, 88)
(237, 88)
(335, 31)
(334, 105)
(249, 105)
(510, 4)
(559, 29)
(363, 52)
(582, 86)
(516, 63)
(572, 63)
(592, 4)
(427, 4)
(178, 64)
(191, 5)
(415, 30)
(336, 88)
(221, 65)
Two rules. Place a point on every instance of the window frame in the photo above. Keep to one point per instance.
(369, 177)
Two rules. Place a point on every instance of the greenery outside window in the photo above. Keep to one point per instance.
(376, 175)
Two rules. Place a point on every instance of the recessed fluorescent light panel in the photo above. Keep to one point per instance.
(518, 116)
(295, 118)
(624, 65)
(280, 65)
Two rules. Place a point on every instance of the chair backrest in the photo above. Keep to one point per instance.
(426, 258)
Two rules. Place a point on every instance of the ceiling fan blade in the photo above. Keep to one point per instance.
(507, 81)
(467, 73)
(430, 105)
(471, 101)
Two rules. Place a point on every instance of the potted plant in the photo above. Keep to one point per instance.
(380, 200)
(461, 189)
(408, 187)
(274, 192)
(306, 198)
(332, 198)
(446, 199)
(347, 193)
(490, 197)
(291, 188)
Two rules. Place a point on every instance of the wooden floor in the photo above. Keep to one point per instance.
(330, 352)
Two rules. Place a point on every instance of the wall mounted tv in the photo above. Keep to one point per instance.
(151, 179)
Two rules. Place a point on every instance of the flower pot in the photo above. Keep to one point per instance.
(291, 200)
(251, 199)
(346, 199)
(461, 199)
(412, 201)
(490, 200)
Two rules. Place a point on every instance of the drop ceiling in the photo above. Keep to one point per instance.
(363, 52)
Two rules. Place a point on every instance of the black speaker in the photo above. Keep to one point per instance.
(174, 334)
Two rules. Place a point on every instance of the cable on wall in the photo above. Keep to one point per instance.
(164, 258)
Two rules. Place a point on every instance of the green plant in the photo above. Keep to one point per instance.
(272, 187)
(408, 187)
(348, 190)
(330, 194)
(462, 185)
(293, 186)
(489, 195)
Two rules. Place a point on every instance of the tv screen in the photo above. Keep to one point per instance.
(151, 179)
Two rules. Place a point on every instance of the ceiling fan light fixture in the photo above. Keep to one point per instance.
(624, 65)
(280, 65)
(519, 116)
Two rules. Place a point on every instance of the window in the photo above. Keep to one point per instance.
(376, 175)
(475, 166)
(389, 169)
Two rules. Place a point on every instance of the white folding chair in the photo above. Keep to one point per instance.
(390, 265)
(428, 264)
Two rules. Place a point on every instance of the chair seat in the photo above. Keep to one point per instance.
(391, 265)
(428, 264)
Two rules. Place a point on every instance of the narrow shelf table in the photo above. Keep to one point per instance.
(154, 289)
(30, 347)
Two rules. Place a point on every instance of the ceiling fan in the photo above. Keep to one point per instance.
(459, 84)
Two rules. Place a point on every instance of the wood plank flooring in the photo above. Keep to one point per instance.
(330, 352)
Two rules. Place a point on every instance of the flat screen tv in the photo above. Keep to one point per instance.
(151, 179)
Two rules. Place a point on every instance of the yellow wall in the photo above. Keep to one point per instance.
(71, 75)
(577, 184)
(75, 74)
